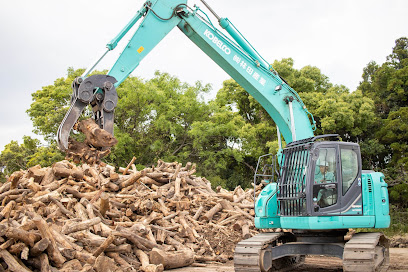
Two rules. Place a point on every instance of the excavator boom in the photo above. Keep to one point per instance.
(234, 55)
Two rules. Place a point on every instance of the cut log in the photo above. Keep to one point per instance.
(73, 265)
(209, 215)
(171, 259)
(39, 247)
(198, 213)
(104, 205)
(104, 264)
(146, 266)
(5, 213)
(245, 232)
(95, 135)
(60, 172)
(37, 173)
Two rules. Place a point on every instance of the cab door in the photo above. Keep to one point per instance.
(325, 179)
(336, 179)
(350, 166)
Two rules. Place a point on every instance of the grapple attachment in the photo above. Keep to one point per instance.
(98, 91)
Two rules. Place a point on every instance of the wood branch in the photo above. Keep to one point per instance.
(63, 239)
(85, 257)
(128, 166)
(132, 179)
(226, 205)
(13, 192)
(12, 263)
(137, 240)
(44, 263)
(61, 207)
(177, 188)
(7, 244)
(91, 215)
(124, 248)
(217, 258)
(81, 211)
(53, 251)
(198, 213)
(104, 245)
(124, 265)
(78, 226)
(27, 237)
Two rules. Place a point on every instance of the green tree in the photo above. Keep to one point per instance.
(395, 134)
(387, 85)
(153, 119)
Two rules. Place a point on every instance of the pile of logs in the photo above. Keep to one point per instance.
(72, 217)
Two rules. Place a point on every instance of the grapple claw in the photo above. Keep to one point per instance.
(100, 92)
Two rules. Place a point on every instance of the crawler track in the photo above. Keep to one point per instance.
(248, 255)
(366, 252)
(363, 252)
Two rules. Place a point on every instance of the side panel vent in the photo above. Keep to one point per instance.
(369, 184)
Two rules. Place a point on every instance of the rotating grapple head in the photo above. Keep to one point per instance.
(98, 91)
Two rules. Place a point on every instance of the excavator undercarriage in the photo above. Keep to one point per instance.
(283, 251)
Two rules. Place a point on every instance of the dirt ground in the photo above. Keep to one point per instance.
(398, 262)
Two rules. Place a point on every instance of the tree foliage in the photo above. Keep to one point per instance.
(21, 156)
(387, 85)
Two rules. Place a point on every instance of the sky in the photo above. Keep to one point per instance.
(41, 39)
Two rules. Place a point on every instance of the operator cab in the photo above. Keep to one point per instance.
(320, 178)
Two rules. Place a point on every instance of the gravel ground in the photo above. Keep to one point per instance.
(398, 262)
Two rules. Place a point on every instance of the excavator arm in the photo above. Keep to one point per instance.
(234, 55)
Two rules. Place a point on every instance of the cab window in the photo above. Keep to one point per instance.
(325, 181)
(349, 168)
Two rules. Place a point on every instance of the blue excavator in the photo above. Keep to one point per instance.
(320, 190)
